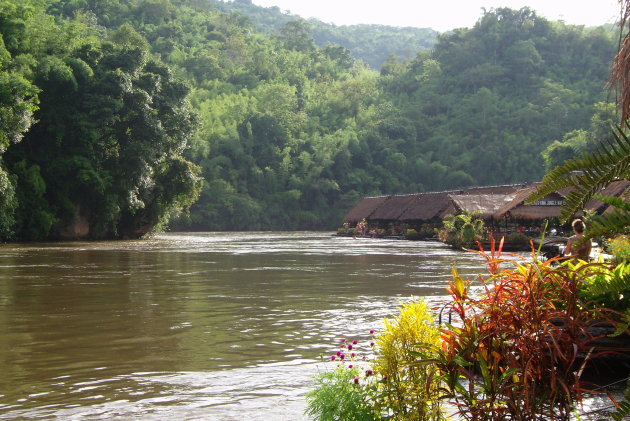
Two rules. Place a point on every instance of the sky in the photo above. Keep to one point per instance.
(442, 15)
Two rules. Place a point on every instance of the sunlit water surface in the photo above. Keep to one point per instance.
(203, 326)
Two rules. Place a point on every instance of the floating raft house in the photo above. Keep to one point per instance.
(493, 203)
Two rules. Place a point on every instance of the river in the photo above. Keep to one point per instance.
(201, 326)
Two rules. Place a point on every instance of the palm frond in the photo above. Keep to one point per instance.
(616, 202)
(588, 174)
(623, 411)
(606, 225)
(615, 222)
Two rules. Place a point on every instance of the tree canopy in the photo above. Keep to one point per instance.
(118, 114)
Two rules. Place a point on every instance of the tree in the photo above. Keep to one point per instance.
(111, 127)
(18, 102)
(296, 35)
(587, 176)
(590, 173)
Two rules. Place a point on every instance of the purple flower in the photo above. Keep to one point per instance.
(333, 357)
(368, 372)
(371, 343)
(338, 353)
(342, 356)
(349, 346)
(355, 342)
(343, 340)
(356, 380)
(353, 355)
(371, 331)
(349, 365)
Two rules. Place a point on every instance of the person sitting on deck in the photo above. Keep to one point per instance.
(582, 250)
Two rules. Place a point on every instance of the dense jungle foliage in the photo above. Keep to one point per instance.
(117, 114)
(371, 43)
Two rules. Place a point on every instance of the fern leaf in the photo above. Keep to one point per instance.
(619, 282)
(618, 221)
(588, 174)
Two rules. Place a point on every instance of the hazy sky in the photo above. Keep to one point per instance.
(442, 15)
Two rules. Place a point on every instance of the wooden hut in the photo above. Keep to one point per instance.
(619, 189)
(486, 205)
(426, 207)
(390, 211)
(550, 206)
(424, 214)
(364, 209)
(545, 208)
(484, 200)
(496, 190)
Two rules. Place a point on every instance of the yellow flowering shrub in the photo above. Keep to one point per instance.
(406, 391)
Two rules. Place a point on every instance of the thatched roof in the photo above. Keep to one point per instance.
(364, 208)
(393, 208)
(516, 208)
(492, 202)
(615, 189)
(505, 189)
(531, 212)
(426, 206)
(624, 195)
(485, 204)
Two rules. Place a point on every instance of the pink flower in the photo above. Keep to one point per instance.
(349, 347)
(343, 340)
(353, 355)
(342, 356)
(333, 357)
(355, 342)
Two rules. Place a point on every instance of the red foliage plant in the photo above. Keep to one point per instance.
(519, 343)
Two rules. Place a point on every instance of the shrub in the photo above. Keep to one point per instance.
(405, 391)
(337, 396)
(605, 285)
(619, 247)
(392, 385)
(514, 352)
(462, 230)
(517, 240)
(412, 234)
(427, 231)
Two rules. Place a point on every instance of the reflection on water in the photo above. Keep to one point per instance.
(195, 326)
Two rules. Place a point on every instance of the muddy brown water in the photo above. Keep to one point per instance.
(187, 326)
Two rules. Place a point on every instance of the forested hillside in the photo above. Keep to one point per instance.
(116, 114)
(371, 43)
